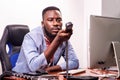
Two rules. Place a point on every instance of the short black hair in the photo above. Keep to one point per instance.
(49, 8)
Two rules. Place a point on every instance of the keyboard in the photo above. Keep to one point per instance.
(29, 76)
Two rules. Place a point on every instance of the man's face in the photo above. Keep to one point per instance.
(52, 22)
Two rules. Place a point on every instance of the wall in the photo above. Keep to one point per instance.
(111, 8)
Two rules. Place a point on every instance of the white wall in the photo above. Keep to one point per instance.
(111, 8)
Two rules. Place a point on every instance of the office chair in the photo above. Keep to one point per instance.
(12, 37)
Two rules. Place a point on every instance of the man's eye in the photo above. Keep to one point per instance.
(59, 20)
(50, 19)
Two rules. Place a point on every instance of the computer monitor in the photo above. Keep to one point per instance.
(102, 32)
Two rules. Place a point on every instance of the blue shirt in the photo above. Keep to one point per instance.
(32, 56)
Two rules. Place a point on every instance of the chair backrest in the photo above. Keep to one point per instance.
(13, 37)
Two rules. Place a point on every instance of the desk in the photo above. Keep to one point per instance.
(88, 72)
(98, 73)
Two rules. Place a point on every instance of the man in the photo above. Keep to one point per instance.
(43, 46)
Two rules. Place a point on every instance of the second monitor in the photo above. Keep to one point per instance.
(103, 30)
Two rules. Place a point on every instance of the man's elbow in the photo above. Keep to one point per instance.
(77, 65)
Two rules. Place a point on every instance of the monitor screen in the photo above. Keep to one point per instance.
(103, 30)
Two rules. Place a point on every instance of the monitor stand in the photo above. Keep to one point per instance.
(116, 48)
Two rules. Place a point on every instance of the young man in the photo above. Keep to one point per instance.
(43, 46)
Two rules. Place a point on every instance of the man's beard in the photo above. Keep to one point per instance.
(48, 34)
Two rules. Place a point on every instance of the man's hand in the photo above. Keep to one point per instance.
(63, 35)
(53, 68)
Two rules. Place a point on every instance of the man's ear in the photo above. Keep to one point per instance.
(42, 23)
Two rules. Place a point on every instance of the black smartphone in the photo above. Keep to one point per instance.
(69, 26)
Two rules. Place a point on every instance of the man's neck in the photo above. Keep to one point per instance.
(48, 35)
(49, 38)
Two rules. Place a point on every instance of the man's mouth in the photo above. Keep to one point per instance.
(55, 30)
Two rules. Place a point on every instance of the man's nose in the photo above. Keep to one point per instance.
(55, 22)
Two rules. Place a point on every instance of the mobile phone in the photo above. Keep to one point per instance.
(69, 26)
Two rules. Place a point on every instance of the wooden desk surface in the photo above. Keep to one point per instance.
(88, 72)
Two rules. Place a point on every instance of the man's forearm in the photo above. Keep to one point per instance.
(49, 52)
